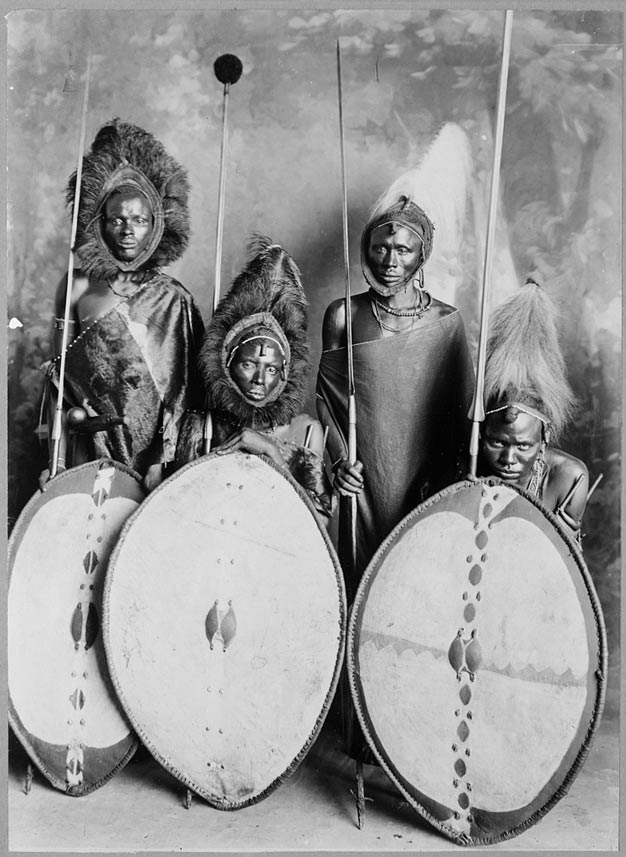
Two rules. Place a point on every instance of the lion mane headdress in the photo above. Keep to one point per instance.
(525, 369)
(265, 301)
(125, 156)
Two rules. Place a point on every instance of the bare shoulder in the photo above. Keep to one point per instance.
(567, 466)
(568, 484)
(80, 284)
(334, 324)
(441, 309)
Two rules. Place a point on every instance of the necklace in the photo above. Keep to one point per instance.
(413, 314)
(392, 328)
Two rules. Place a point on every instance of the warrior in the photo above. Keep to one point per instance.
(413, 377)
(528, 402)
(254, 365)
(130, 361)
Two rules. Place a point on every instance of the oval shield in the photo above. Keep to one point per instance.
(225, 624)
(62, 705)
(477, 656)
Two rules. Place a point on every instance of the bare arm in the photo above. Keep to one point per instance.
(79, 285)
(575, 473)
(348, 477)
(334, 326)
(249, 440)
(568, 486)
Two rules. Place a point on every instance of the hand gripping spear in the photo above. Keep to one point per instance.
(477, 410)
(227, 68)
(348, 314)
(57, 426)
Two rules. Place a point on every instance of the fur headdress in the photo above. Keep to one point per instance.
(431, 195)
(525, 368)
(124, 155)
(266, 300)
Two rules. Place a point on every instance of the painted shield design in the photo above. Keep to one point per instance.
(224, 622)
(62, 705)
(477, 660)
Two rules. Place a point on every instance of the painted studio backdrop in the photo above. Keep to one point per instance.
(405, 74)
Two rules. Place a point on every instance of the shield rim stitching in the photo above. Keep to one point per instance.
(601, 671)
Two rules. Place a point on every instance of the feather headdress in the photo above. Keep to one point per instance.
(266, 300)
(124, 155)
(431, 196)
(524, 365)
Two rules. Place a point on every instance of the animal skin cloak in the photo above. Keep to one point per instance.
(266, 299)
(413, 392)
(137, 361)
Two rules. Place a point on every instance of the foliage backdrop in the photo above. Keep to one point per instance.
(405, 73)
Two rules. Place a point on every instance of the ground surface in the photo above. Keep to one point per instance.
(142, 809)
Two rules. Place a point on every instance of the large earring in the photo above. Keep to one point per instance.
(421, 295)
(418, 281)
(535, 485)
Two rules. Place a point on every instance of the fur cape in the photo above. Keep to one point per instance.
(124, 154)
(270, 284)
(524, 361)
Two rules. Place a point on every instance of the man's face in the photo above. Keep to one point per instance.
(509, 450)
(128, 225)
(256, 369)
(394, 253)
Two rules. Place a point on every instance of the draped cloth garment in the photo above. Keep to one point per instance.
(413, 392)
(137, 362)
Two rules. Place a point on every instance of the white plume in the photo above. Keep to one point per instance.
(440, 184)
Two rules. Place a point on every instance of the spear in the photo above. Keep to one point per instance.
(477, 410)
(57, 426)
(348, 312)
(227, 68)
(360, 796)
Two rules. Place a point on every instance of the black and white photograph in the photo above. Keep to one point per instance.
(313, 427)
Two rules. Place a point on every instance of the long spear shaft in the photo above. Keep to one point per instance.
(348, 306)
(477, 410)
(208, 423)
(351, 397)
(344, 212)
(57, 426)
(227, 68)
(220, 200)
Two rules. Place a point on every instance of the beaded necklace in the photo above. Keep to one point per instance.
(414, 313)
